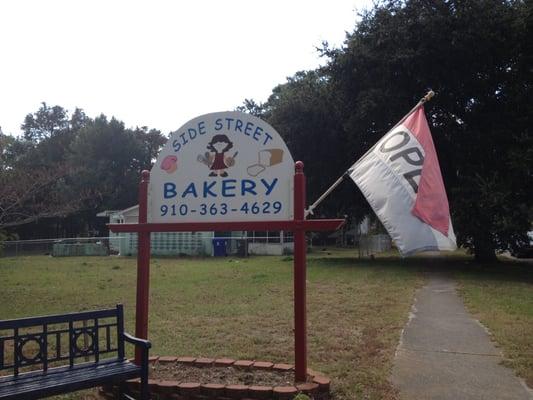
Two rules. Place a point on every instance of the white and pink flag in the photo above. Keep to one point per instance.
(400, 177)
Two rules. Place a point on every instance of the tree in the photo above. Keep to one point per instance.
(34, 174)
(67, 164)
(477, 56)
(31, 186)
(46, 122)
(50, 132)
(26, 196)
(110, 158)
(250, 106)
(304, 111)
(474, 55)
(150, 142)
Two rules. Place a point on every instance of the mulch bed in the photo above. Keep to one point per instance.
(221, 375)
(187, 378)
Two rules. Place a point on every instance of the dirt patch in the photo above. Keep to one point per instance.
(222, 375)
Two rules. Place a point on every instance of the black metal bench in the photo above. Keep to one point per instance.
(92, 342)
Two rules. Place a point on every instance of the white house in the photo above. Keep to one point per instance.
(195, 243)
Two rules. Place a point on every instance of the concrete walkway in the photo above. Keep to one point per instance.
(445, 354)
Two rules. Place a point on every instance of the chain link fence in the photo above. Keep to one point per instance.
(59, 247)
(373, 244)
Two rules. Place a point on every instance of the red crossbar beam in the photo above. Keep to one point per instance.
(287, 225)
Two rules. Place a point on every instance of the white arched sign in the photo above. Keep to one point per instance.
(227, 166)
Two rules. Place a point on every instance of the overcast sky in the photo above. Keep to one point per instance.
(158, 63)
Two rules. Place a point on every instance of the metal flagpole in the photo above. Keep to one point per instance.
(310, 209)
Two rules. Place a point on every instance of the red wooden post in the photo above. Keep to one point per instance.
(300, 248)
(143, 267)
(299, 225)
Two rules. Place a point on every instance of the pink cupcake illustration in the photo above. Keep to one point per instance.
(169, 164)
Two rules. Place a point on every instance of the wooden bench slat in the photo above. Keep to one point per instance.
(78, 368)
(109, 367)
(49, 385)
(69, 376)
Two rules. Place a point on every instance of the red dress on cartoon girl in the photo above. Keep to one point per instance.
(219, 162)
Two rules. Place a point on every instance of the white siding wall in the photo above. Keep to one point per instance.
(270, 249)
(171, 244)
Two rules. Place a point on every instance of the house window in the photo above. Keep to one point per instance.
(269, 236)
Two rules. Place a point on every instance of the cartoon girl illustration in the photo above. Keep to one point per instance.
(218, 162)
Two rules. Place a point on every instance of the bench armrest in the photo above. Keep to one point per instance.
(142, 348)
(136, 341)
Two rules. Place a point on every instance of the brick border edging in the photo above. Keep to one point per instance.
(318, 388)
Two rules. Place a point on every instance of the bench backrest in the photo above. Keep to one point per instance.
(51, 340)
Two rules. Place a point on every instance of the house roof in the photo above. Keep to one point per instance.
(130, 210)
(107, 213)
(133, 210)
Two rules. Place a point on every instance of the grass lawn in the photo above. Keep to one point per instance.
(503, 301)
(241, 308)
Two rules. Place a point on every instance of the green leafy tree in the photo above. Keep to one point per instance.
(150, 142)
(46, 122)
(110, 158)
(69, 165)
(6, 144)
(303, 110)
(31, 186)
(48, 134)
(29, 195)
(477, 56)
(250, 106)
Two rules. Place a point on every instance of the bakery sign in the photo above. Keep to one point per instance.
(227, 166)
